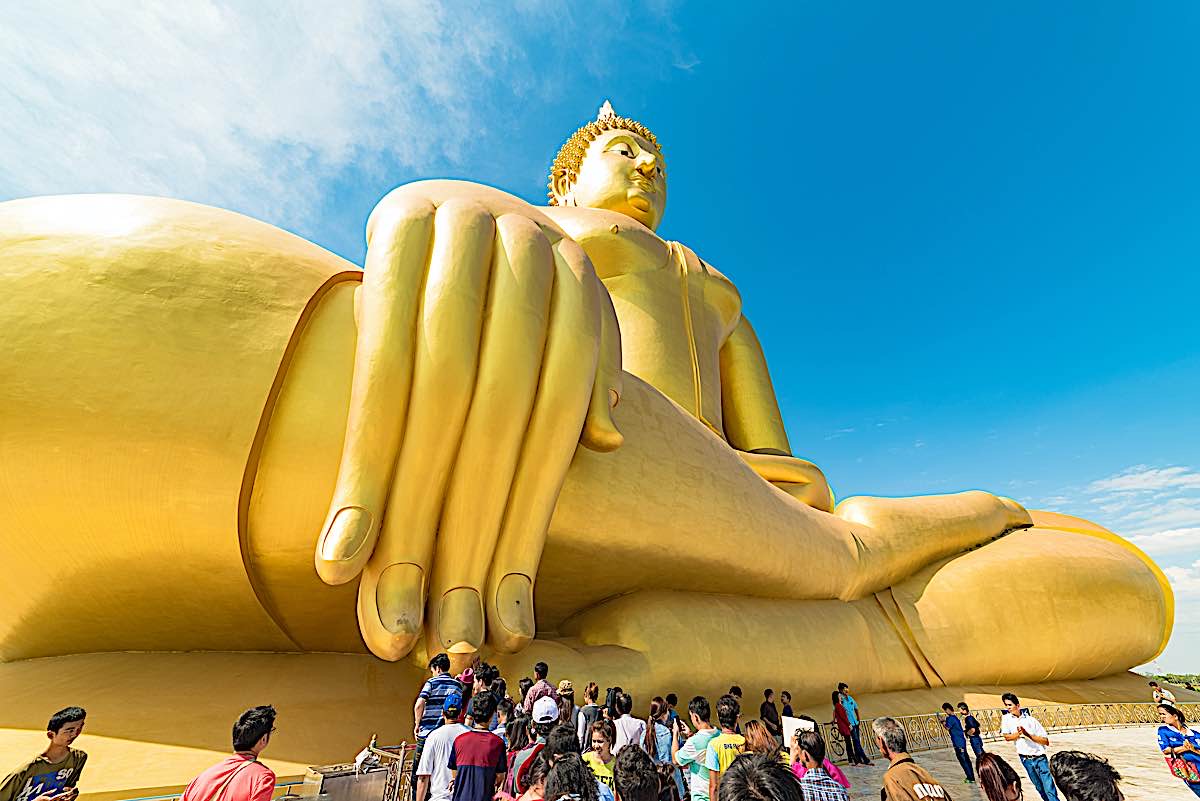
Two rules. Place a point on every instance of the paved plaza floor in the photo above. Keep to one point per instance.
(1132, 751)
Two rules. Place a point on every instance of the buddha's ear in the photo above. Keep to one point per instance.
(561, 185)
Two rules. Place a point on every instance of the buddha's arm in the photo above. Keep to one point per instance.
(753, 425)
(748, 405)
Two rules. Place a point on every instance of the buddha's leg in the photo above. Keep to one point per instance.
(1081, 603)
(951, 624)
(676, 507)
(698, 643)
(142, 341)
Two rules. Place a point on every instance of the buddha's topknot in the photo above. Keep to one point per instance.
(570, 155)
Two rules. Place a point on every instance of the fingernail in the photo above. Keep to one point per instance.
(399, 599)
(514, 604)
(346, 534)
(461, 618)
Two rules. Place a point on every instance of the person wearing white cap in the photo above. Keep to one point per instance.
(545, 718)
(545, 715)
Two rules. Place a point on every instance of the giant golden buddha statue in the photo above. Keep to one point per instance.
(527, 430)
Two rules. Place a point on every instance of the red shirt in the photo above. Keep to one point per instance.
(238, 778)
(839, 716)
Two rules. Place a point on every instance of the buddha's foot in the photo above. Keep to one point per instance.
(896, 537)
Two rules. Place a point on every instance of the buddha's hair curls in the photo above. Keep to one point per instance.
(570, 155)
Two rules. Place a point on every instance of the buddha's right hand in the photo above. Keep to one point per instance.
(487, 351)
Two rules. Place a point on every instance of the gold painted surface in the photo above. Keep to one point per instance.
(519, 430)
(141, 340)
(994, 583)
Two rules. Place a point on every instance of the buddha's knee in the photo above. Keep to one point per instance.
(1037, 605)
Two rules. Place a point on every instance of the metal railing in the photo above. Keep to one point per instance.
(926, 732)
(397, 762)
(399, 758)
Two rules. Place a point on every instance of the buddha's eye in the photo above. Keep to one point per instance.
(624, 150)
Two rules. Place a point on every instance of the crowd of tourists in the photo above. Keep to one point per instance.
(707, 751)
(476, 742)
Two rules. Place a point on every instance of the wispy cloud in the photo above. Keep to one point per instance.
(1141, 478)
(841, 432)
(1170, 541)
(1156, 507)
(260, 107)
(1185, 580)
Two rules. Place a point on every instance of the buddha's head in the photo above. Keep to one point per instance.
(612, 163)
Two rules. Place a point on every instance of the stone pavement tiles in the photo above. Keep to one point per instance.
(1132, 751)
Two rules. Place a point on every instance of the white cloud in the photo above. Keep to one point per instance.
(1185, 580)
(1169, 541)
(1156, 507)
(1142, 478)
(260, 106)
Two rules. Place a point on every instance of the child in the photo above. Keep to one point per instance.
(54, 772)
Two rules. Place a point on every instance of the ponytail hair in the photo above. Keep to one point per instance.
(658, 707)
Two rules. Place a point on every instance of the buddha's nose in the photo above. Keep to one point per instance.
(648, 165)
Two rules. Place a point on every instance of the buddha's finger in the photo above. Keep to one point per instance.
(600, 432)
(564, 391)
(397, 254)
(510, 362)
(392, 590)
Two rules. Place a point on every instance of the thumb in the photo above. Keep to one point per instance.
(600, 432)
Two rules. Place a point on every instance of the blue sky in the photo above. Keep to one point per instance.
(967, 234)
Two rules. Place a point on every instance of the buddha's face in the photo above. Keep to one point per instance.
(621, 172)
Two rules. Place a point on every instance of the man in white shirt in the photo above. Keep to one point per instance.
(433, 771)
(1162, 695)
(630, 730)
(1022, 728)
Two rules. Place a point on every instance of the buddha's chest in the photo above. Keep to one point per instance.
(675, 311)
(674, 318)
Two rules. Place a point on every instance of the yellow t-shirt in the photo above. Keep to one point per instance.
(603, 772)
(722, 750)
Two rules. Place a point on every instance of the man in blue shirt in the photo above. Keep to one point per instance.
(958, 739)
(971, 726)
(851, 707)
(427, 711)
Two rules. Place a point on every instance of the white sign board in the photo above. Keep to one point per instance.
(792, 725)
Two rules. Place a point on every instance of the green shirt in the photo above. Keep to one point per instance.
(691, 756)
(39, 776)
